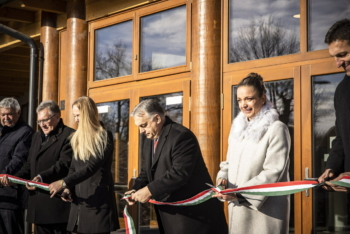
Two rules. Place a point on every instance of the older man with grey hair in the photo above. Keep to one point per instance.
(15, 141)
(49, 160)
(174, 170)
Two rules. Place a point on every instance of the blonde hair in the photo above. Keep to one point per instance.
(90, 139)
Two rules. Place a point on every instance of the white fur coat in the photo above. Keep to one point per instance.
(258, 153)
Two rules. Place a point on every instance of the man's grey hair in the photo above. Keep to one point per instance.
(148, 107)
(10, 103)
(50, 105)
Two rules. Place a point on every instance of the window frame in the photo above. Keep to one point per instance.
(135, 16)
(303, 55)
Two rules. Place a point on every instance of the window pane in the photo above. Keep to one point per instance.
(281, 94)
(172, 104)
(322, 15)
(262, 29)
(331, 210)
(163, 39)
(115, 117)
(113, 51)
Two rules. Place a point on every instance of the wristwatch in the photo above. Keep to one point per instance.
(64, 184)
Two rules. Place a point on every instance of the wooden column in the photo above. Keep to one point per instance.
(49, 45)
(205, 85)
(77, 41)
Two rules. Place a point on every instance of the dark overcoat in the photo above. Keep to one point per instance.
(94, 206)
(14, 147)
(51, 161)
(178, 172)
(339, 158)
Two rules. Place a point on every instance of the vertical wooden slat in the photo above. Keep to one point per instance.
(306, 132)
(303, 26)
(77, 38)
(205, 86)
(298, 215)
(49, 45)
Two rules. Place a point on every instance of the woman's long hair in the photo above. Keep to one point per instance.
(90, 139)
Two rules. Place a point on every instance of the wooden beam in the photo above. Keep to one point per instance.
(14, 74)
(55, 6)
(14, 59)
(17, 15)
(18, 51)
(11, 94)
(14, 67)
(17, 84)
(14, 80)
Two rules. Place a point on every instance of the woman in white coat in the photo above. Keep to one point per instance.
(258, 154)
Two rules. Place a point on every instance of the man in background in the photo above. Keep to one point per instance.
(15, 141)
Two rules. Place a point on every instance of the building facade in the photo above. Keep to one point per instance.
(190, 54)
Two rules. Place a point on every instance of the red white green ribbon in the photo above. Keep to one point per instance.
(344, 182)
(274, 189)
(129, 222)
(17, 180)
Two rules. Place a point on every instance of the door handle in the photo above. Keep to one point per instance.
(307, 177)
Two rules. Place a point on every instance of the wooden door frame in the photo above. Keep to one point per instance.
(133, 93)
(307, 72)
(269, 74)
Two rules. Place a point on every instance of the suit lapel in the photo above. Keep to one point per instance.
(161, 141)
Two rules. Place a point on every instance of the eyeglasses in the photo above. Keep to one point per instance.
(44, 121)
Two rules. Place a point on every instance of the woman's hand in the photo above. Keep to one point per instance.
(66, 195)
(55, 187)
(221, 182)
(226, 197)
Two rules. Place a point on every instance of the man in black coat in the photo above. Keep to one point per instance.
(15, 140)
(49, 160)
(174, 170)
(338, 163)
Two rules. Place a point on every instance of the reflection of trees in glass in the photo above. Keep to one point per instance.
(117, 121)
(263, 38)
(115, 61)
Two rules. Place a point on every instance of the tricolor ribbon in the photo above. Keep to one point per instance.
(273, 189)
(17, 180)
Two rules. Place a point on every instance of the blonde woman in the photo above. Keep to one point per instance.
(93, 207)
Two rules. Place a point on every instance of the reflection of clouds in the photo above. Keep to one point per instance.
(165, 31)
(107, 36)
(241, 13)
(323, 14)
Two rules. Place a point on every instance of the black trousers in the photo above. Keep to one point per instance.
(55, 228)
(11, 221)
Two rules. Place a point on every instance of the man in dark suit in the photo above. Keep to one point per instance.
(49, 160)
(174, 170)
(15, 141)
(338, 163)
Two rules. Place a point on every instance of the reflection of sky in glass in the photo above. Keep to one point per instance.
(280, 13)
(163, 39)
(113, 52)
(322, 15)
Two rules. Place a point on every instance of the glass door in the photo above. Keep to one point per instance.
(283, 91)
(327, 212)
